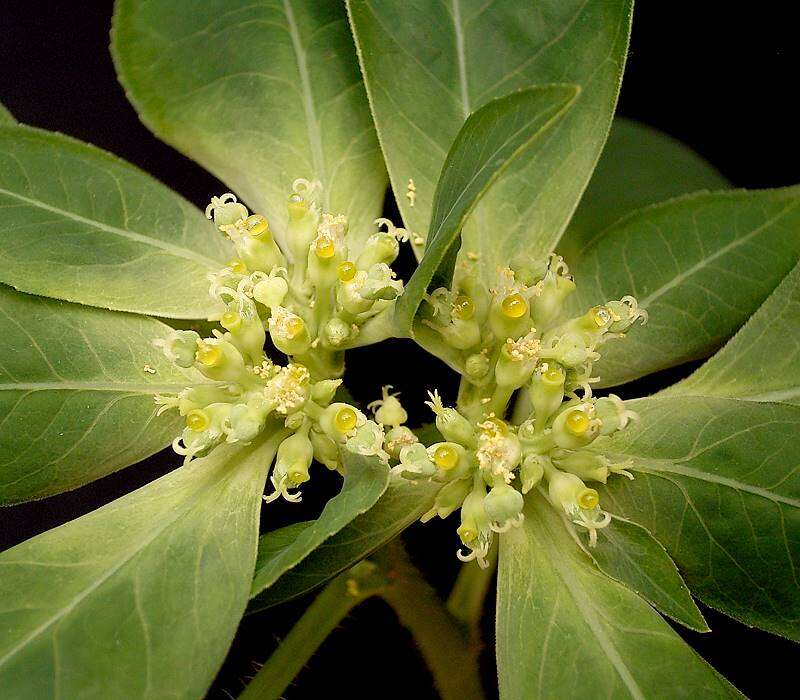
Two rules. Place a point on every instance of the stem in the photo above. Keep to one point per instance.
(467, 598)
(335, 601)
(448, 653)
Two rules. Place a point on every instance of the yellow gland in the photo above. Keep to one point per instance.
(345, 419)
(601, 316)
(496, 426)
(588, 499)
(577, 422)
(463, 308)
(238, 267)
(466, 533)
(346, 271)
(324, 248)
(514, 306)
(554, 375)
(256, 225)
(197, 420)
(294, 326)
(445, 457)
(208, 355)
(297, 476)
(230, 320)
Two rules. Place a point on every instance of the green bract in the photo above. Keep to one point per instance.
(559, 251)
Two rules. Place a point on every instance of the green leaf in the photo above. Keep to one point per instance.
(490, 140)
(76, 394)
(402, 503)
(80, 224)
(565, 630)
(762, 361)
(142, 597)
(258, 93)
(365, 482)
(6, 118)
(701, 265)
(628, 553)
(718, 484)
(428, 66)
(639, 166)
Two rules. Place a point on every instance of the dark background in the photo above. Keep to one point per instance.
(721, 79)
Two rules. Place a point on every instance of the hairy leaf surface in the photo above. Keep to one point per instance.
(82, 225)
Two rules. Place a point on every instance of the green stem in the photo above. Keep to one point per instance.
(468, 596)
(449, 654)
(335, 601)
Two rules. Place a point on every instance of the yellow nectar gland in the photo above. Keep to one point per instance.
(577, 422)
(588, 499)
(238, 267)
(601, 316)
(554, 375)
(208, 355)
(466, 533)
(256, 225)
(346, 271)
(230, 320)
(496, 426)
(197, 420)
(297, 476)
(294, 327)
(463, 308)
(345, 419)
(514, 306)
(445, 457)
(324, 248)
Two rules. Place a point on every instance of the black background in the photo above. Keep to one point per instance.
(721, 79)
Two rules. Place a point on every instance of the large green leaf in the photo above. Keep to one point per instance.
(6, 118)
(401, 504)
(490, 140)
(630, 554)
(76, 394)
(565, 630)
(718, 484)
(80, 224)
(762, 361)
(700, 265)
(140, 598)
(428, 65)
(365, 482)
(260, 94)
(639, 166)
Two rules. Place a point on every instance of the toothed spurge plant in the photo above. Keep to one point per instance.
(132, 320)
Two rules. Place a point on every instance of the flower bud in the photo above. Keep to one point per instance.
(380, 283)
(381, 247)
(271, 291)
(348, 294)
(245, 423)
(531, 471)
(450, 423)
(587, 465)
(624, 313)
(225, 210)
(336, 332)
(613, 415)
(388, 410)
(503, 505)
(546, 307)
(449, 499)
(325, 450)
(476, 366)
(289, 332)
(546, 391)
(368, 440)
(322, 392)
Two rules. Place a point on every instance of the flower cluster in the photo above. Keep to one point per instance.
(516, 337)
(308, 300)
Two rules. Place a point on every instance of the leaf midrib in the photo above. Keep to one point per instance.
(115, 230)
(312, 123)
(178, 514)
(93, 386)
(704, 262)
(578, 595)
